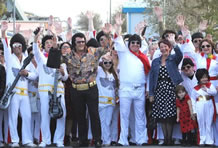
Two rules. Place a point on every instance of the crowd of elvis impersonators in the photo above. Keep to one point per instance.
(108, 89)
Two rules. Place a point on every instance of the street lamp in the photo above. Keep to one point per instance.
(14, 17)
(110, 11)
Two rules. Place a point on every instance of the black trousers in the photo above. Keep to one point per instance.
(82, 100)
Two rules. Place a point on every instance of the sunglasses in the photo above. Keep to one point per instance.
(166, 36)
(186, 67)
(65, 47)
(80, 42)
(107, 62)
(17, 45)
(197, 41)
(135, 42)
(203, 46)
(101, 39)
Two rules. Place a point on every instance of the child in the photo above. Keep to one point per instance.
(204, 106)
(185, 114)
(108, 83)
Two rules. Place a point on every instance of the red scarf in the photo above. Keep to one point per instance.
(144, 60)
(208, 58)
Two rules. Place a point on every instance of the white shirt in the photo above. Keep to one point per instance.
(131, 67)
(106, 88)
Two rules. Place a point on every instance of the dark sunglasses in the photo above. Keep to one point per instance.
(184, 67)
(80, 42)
(166, 36)
(65, 47)
(197, 41)
(135, 42)
(107, 62)
(203, 46)
(101, 39)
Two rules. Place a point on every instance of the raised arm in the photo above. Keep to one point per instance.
(119, 44)
(159, 13)
(38, 55)
(7, 50)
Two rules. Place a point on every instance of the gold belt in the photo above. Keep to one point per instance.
(84, 86)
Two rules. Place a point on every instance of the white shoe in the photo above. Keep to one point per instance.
(59, 145)
(177, 142)
(15, 144)
(42, 144)
(161, 141)
(2, 144)
(30, 145)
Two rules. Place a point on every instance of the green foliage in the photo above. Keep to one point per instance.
(82, 22)
(3, 8)
(194, 11)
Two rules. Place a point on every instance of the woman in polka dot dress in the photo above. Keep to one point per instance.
(185, 114)
(164, 76)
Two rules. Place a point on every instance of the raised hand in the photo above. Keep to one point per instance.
(171, 38)
(4, 27)
(58, 28)
(69, 23)
(50, 20)
(158, 12)
(37, 34)
(140, 26)
(87, 36)
(69, 36)
(107, 28)
(180, 20)
(118, 19)
(89, 15)
(203, 25)
(117, 29)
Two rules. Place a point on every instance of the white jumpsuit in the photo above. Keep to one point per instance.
(46, 83)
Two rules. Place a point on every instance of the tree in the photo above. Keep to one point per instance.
(194, 10)
(3, 8)
(82, 22)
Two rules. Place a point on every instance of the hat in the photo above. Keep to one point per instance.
(135, 37)
(197, 35)
(45, 38)
(62, 44)
(92, 43)
(169, 31)
(187, 61)
(99, 35)
(20, 39)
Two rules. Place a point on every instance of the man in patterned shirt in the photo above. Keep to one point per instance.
(82, 66)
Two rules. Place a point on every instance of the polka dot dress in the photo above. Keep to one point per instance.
(165, 98)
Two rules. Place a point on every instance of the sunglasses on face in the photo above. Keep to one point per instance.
(105, 62)
(166, 36)
(203, 46)
(80, 42)
(186, 67)
(101, 39)
(197, 41)
(65, 47)
(135, 42)
(17, 45)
